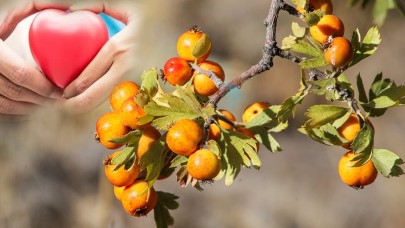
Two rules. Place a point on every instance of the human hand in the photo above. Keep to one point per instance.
(112, 63)
(23, 88)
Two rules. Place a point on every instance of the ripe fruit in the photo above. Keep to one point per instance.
(356, 176)
(203, 165)
(214, 130)
(183, 137)
(350, 128)
(203, 85)
(177, 71)
(135, 199)
(110, 126)
(339, 53)
(120, 177)
(329, 25)
(122, 92)
(148, 138)
(325, 5)
(130, 113)
(118, 192)
(253, 110)
(186, 43)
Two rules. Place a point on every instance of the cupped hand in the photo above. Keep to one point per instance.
(111, 64)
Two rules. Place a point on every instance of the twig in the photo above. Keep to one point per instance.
(214, 78)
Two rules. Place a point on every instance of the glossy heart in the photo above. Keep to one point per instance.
(63, 43)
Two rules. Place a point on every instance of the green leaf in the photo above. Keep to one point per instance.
(362, 92)
(214, 147)
(317, 62)
(380, 11)
(321, 86)
(153, 160)
(123, 157)
(367, 47)
(400, 6)
(264, 137)
(326, 134)
(363, 144)
(149, 81)
(312, 18)
(387, 163)
(178, 161)
(304, 47)
(165, 202)
(202, 46)
(288, 107)
(379, 85)
(130, 138)
(388, 98)
(322, 114)
(300, 3)
(268, 119)
(288, 42)
(297, 30)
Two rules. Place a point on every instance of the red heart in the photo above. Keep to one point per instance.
(63, 43)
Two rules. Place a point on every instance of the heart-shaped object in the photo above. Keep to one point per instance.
(64, 43)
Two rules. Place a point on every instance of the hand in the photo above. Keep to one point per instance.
(112, 63)
(23, 88)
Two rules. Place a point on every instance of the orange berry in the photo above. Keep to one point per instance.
(120, 177)
(122, 92)
(183, 137)
(110, 126)
(148, 138)
(214, 130)
(356, 176)
(203, 165)
(328, 25)
(253, 110)
(339, 53)
(135, 199)
(350, 128)
(177, 71)
(130, 113)
(118, 192)
(186, 43)
(203, 85)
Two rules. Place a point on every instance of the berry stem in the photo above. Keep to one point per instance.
(217, 81)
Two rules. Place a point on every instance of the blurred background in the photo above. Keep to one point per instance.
(51, 167)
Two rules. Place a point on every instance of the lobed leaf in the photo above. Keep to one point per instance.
(165, 202)
(387, 163)
(202, 46)
(322, 114)
(367, 47)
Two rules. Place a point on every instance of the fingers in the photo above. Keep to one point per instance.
(99, 91)
(19, 93)
(11, 107)
(17, 71)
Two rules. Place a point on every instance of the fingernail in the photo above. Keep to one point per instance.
(57, 94)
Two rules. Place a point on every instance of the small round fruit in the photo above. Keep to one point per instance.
(122, 92)
(203, 165)
(187, 42)
(215, 131)
(110, 126)
(356, 177)
(183, 137)
(130, 113)
(120, 177)
(135, 199)
(148, 138)
(118, 192)
(203, 85)
(325, 5)
(339, 53)
(329, 25)
(177, 71)
(350, 128)
(253, 110)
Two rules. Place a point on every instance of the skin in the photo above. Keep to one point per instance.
(203, 85)
(135, 199)
(183, 137)
(350, 128)
(148, 138)
(177, 71)
(130, 113)
(329, 25)
(356, 177)
(24, 89)
(339, 53)
(118, 192)
(203, 165)
(120, 177)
